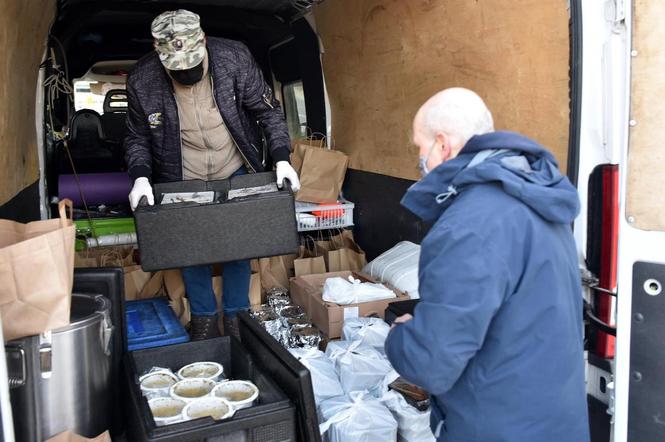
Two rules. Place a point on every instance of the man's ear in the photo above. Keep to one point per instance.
(443, 140)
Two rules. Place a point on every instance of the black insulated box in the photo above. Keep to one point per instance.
(187, 233)
(273, 418)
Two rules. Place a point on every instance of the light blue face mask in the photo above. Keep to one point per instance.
(422, 161)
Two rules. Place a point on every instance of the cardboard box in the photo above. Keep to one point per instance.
(187, 234)
(307, 292)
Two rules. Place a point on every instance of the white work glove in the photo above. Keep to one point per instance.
(141, 188)
(286, 171)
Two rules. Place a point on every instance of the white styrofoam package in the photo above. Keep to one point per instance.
(370, 331)
(398, 267)
(357, 417)
(359, 367)
(352, 291)
(325, 381)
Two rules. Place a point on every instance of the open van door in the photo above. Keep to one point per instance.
(640, 391)
(621, 182)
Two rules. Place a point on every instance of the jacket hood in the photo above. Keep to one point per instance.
(523, 168)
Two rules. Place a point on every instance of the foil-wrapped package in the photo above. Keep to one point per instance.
(291, 312)
(298, 323)
(279, 301)
(308, 337)
(277, 291)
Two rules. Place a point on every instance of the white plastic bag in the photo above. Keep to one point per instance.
(413, 425)
(352, 291)
(398, 267)
(370, 331)
(357, 417)
(325, 382)
(358, 366)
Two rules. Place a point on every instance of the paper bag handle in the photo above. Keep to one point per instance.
(62, 206)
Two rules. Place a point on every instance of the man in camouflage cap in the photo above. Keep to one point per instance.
(194, 104)
(179, 39)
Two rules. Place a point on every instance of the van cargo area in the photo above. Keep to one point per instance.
(582, 79)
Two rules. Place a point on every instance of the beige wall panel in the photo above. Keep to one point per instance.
(23, 29)
(384, 58)
(646, 156)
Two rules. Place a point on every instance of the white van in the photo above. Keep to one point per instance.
(583, 78)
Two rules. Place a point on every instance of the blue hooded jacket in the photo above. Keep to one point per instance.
(497, 338)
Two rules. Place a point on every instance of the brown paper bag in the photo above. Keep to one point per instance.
(298, 149)
(310, 259)
(135, 280)
(70, 436)
(276, 271)
(217, 288)
(109, 256)
(322, 175)
(346, 254)
(255, 290)
(36, 274)
(174, 289)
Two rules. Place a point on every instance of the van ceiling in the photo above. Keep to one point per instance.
(287, 9)
(98, 30)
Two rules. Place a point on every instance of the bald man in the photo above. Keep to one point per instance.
(497, 337)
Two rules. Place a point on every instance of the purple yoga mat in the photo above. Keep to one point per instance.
(98, 188)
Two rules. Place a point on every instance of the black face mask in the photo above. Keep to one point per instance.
(188, 77)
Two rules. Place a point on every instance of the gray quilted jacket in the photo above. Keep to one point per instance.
(152, 145)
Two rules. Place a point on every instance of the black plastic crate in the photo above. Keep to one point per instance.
(272, 419)
(187, 234)
(294, 377)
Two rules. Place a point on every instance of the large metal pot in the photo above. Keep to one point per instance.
(60, 380)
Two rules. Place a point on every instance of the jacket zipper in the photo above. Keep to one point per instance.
(214, 97)
(182, 160)
(206, 141)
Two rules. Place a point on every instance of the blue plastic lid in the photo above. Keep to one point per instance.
(152, 323)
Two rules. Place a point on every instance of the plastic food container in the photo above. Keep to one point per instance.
(215, 407)
(157, 384)
(202, 370)
(240, 394)
(166, 410)
(190, 389)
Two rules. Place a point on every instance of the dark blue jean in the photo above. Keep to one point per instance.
(235, 285)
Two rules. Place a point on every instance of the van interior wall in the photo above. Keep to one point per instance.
(23, 30)
(384, 58)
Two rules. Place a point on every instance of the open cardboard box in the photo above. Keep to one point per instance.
(307, 292)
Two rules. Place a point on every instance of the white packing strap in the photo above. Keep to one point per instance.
(356, 399)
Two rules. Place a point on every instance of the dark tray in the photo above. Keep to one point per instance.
(272, 419)
(397, 309)
(188, 234)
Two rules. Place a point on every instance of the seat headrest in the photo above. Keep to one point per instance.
(115, 101)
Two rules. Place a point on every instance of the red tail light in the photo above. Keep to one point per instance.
(607, 275)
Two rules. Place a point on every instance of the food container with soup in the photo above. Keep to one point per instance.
(241, 394)
(191, 389)
(166, 410)
(202, 370)
(215, 407)
(157, 383)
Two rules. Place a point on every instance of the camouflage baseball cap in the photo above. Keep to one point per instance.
(179, 39)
